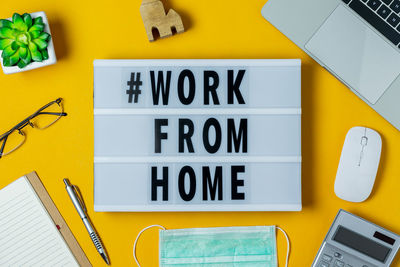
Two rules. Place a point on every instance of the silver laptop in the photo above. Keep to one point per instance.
(358, 41)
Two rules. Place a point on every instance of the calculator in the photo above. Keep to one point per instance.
(355, 242)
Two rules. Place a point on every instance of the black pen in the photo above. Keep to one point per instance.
(81, 209)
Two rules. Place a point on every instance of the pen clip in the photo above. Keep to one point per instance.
(80, 198)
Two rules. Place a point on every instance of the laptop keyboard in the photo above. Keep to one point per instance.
(383, 15)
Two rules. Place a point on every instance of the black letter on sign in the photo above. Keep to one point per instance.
(211, 88)
(161, 86)
(158, 135)
(236, 182)
(185, 136)
(181, 183)
(159, 182)
(181, 87)
(237, 137)
(234, 86)
(206, 141)
(212, 185)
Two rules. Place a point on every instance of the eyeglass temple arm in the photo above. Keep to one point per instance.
(22, 124)
(52, 113)
(3, 145)
(57, 101)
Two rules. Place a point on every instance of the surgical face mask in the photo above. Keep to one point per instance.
(216, 247)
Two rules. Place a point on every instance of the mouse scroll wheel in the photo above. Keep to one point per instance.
(364, 141)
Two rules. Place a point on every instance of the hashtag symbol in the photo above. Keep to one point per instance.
(134, 87)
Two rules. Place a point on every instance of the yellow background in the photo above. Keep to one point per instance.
(86, 30)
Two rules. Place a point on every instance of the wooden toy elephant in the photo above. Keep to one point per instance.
(155, 17)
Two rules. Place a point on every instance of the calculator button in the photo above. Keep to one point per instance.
(338, 255)
(326, 258)
(387, 2)
(323, 264)
(339, 263)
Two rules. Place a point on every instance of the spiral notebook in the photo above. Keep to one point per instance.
(32, 231)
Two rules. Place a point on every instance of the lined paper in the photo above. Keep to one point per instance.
(28, 235)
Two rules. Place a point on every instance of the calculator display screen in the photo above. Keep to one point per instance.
(361, 244)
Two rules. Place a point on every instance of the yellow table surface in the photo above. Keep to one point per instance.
(87, 30)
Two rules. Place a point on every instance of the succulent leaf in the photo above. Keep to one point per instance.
(7, 33)
(37, 56)
(17, 18)
(14, 58)
(18, 23)
(35, 34)
(14, 46)
(40, 43)
(5, 42)
(38, 20)
(20, 44)
(27, 19)
(32, 47)
(21, 64)
(5, 23)
(44, 36)
(6, 62)
(8, 51)
(37, 27)
(45, 54)
(28, 58)
(23, 52)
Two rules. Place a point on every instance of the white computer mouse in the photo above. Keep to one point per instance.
(358, 164)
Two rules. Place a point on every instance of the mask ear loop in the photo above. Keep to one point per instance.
(288, 245)
(137, 239)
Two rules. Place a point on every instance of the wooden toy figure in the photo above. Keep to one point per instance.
(155, 17)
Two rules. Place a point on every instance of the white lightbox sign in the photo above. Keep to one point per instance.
(197, 135)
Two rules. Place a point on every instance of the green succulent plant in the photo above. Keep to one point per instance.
(23, 40)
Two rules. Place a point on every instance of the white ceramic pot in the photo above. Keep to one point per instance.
(50, 48)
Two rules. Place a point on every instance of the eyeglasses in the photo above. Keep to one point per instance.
(41, 119)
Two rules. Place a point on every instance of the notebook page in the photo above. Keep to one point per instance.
(28, 236)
